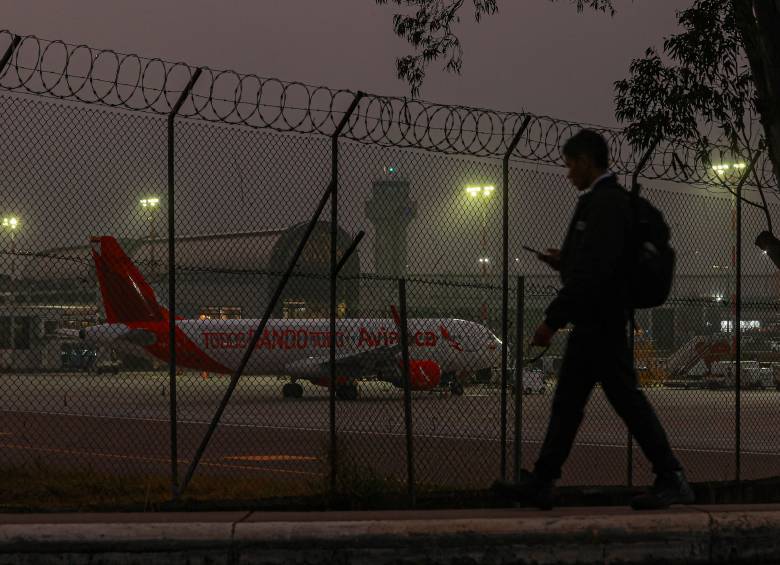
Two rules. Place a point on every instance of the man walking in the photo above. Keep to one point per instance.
(594, 265)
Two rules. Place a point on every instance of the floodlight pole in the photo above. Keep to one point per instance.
(172, 281)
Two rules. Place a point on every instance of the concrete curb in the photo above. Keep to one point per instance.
(692, 535)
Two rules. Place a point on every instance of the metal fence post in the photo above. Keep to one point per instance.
(737, 259)
(632, 314)
(172, 282)
(738, 322)
(334, 269)
(738, 337)
(268, 311)
(404, 331)
(9, 52)
(519, 322)
(505, 288)
(3, 63)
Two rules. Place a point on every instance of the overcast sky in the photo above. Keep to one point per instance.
(535, 55)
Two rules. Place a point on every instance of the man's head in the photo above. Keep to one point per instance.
(587, 157)
(769, 244)
(765, 240)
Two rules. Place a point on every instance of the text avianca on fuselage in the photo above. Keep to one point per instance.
(298, 348)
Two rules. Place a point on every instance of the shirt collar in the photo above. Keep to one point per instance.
(595, 182)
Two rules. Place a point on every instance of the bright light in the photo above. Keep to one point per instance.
(11, 222)
(151, 202)
(717, 297)
(484, 260)
(391, 170)
(723, 168)
(476, 191)
(727, 325)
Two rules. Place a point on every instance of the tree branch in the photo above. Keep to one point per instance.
(427, 25)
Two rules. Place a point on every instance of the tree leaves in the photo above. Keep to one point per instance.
(427, 25)
(702, 83)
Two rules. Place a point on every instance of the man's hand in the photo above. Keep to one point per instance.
(543, 335)
(552, 257)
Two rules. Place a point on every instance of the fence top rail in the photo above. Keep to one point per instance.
(80, 73)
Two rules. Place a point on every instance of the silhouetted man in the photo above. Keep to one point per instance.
(594, 265)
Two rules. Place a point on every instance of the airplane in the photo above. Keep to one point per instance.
(440, 349)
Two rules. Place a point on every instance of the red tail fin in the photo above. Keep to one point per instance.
(127, 297)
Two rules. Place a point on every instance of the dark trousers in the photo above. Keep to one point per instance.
(600, 354)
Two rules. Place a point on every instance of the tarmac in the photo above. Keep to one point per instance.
(692, 534)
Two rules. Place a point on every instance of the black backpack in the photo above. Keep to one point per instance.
(652, 271)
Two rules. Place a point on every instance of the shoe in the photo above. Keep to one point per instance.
(528, 491)
(668, 488)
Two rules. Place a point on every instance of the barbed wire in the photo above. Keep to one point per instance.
(88, 75)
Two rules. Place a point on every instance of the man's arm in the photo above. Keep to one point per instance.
(596, 261)
(552, 257)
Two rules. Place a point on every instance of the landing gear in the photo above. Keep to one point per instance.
(347, 392)
(292, 390)
(456, 388)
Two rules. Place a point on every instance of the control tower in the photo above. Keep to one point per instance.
(391, 211)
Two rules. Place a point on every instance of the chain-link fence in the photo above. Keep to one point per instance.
(267, 228)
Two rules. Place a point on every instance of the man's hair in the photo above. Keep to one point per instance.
(590, 143)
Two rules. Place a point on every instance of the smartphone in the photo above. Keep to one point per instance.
(532, 250)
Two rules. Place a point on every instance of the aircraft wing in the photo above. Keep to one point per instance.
(354, 365)
(110, 333)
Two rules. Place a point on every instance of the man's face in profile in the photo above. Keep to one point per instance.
(580, 171)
